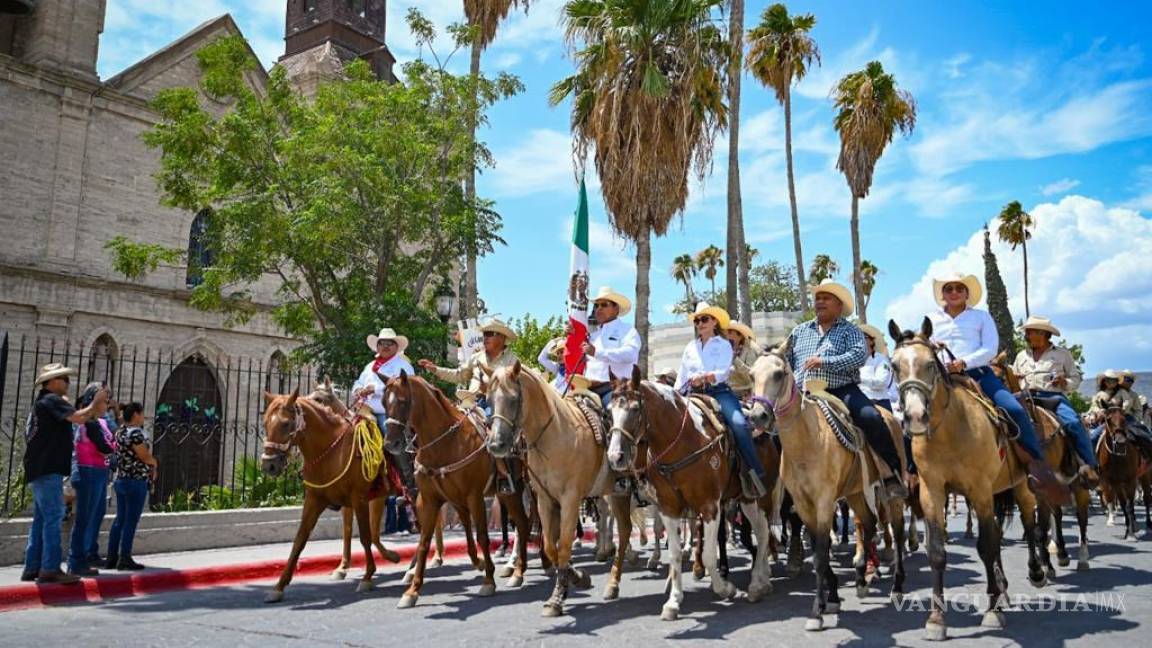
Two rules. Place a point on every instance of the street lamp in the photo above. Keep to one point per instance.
(445, 299)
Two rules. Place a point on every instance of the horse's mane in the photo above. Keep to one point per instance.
(321, 411)
(556, 402)
(437, 394)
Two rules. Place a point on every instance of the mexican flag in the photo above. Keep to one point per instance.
(578, 289)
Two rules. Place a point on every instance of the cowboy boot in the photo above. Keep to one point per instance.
(1044, 483)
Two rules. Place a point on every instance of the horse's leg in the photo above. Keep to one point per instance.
(761, 583)
(867, 557)
(988, 547)
(698, 569)
(1062, 558)
(821, 565)
(658, 530)
(514, 504)
(932, 502)
(376, 508)
(1146, 490)
(427, 510)
(479, 514)
(364, 525)
(671, 610)
(795, 545)
(441, 519)
(621, 509)
(341, 571)
(466, 522)
(861, 551)
(722, 544)
(913, 533)
(566, 512)
(549, 530)
(313, 507)
(504, 521)
(896, 521)
(1036, 533)
(968, 535)
(842, 505)
(888, 553)
(720, 585)
(604, 546)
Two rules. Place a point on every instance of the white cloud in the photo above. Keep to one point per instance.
(611, 260)
(1061, 186)
(1087, 271)
(953, 66)
(541, 162)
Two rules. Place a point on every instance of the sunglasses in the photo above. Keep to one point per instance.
(703, 319)
(955, 288)
(387, 343)
(489, 334)
(602, 304)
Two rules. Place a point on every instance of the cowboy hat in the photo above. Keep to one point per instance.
(1037, 323)
(496, 326)
(717, 313)
(606, 293)
(1108, 374)
(668, 371)
(1127, 373)
(975, 290)
(743, 329)
(836, 290)
(54, 370)
(388, 334)
(877, 337)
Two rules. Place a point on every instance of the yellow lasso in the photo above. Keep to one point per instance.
(371, 444)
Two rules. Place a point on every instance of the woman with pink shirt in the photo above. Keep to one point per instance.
(93, 445)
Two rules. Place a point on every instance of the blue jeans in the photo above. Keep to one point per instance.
(870, 422)
(994, 388)
(1070, 421)
(44, 551)
(734, 417)
(91, 486)
(101, 511)
(131, 497)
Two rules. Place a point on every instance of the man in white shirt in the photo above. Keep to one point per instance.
(613, 347)
(388, 363)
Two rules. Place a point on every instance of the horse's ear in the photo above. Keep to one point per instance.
(926, 328)
(293, 396)
(785, 347)
(635, 377)
(404, 377)
(328, 383)
(515, 370)
(611, 376)
(894, 331)
(268, 398)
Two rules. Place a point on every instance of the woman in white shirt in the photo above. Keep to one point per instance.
(876, 375)
(704, 367)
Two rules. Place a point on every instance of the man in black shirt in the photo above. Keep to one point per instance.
(47, 460)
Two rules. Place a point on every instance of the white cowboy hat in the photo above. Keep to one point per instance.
(975, 290)
(496, 326)
(877, 337)
(836, 290)
(719, 314)
(1127, 373)
(606, 293)
(388, 334)
(54, 370)
(1037, 323)
(1107, 374)
(668, 371)
(743, 329)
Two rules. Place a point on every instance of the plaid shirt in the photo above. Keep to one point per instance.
(842, 348)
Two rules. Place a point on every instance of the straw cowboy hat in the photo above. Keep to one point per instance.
(388, 334)
(606, 293)
(1108, 374)
(838, 291)
(717, 313)
(667, 372)
(1037, 323)
(742, 329)
(54, 370)
(496, 326)
(975, 290)
(877, 337)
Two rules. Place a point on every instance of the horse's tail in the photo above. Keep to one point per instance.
(1003, 504)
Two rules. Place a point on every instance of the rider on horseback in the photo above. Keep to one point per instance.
(832, 349)
(1050, 371)
(388, 363)
(1112, 394)
(613, 347)
(745, 351)
(474, 373)
(705, 367)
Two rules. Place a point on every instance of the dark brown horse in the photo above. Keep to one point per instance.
(1119, 468)
(343, 466)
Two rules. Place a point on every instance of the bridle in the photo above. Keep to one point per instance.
(406, 431)
(925, 389)
(298, 424)
(793, 394)
(514, 422)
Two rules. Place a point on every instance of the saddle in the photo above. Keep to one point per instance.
(710, 408)
(1049, 403)
(594, 413)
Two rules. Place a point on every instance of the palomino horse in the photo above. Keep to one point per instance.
(343, 463)
(956, 443)
(565, 465)
(818, 470)
(1119, 469)
(452, 467)
(689, 468)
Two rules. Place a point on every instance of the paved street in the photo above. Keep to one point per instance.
(1109, 605)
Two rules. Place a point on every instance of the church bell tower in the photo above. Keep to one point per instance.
(321, 36)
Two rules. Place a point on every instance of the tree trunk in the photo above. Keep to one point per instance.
(801, 273)
(468, 301)
(1027, 310)
(857, 284)
(643, 265)
(739, 300)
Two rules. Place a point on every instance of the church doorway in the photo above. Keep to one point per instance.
(188, 431)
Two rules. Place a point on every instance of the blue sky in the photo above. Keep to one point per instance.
(1051, 107)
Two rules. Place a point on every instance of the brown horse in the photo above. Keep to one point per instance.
(452, 467)
(565, 464)
(688, 465)
(957, 444)
(818, 470)
(340, 469)
(1119, 468)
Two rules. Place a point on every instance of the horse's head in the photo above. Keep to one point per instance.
(918, 370)
(397, 399)
(773, 387)
(506, 396)
(627, 413)
(283, 420)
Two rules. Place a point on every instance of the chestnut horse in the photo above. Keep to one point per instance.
(342, 464)
(1119, 469)
(688, 465)
(956, 444)
(452, 467)
(565, 465)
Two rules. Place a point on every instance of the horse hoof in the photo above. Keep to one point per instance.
(506, 571)
(727, 591)
(1110, 522)
(1063, 561)
(887, 555)
(406, 602)
(390, 556)
(935, 632)
(552, 610)
(815, 624)
(993, 619)
(487, 589)
(437, 562)
(1082, 565)
(339, 574)
(913, 546)
(758, 592)
(583, 581)
(832, 607)
(550, 571)
(274, 596)
(670, 613)
(364, 586)
(861, 591)
(633, 558)
(611, 592)
(1050, 574)
(653, 563)
(408, 576)
(698, 572)
(514, 581)
(1037, 582)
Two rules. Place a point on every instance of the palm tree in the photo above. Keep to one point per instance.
(780, 52)
(648, 100)
(871, 109)
(707, 261)
(683, 271)
(1014, 229)
(484, 16)
(739, 299)
(823, 267)
(868, 272)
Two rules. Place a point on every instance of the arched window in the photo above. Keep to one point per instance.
(276, 380)
(102, 360)
(200, 255)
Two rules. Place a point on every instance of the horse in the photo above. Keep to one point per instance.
(565, 464)
(817, 470)
(343, 466)
(956, 442)
(1119, 471)
(689, 468)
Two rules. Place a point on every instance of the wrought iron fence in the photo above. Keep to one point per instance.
(204, 416)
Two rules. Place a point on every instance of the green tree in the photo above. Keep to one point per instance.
(683, 271)
(708, 261)
(1015, 230)
(648, 101)
(871, 108)
(823, 267)
(532, 335)
(780, 51)
(998, 299)
(774, 288)
(868, 272)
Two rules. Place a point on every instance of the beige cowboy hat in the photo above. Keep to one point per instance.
(1037, 323)
(388, 334)
(606, 293)
(837, 290)
(1108, 374)
(1127, 373)
(717, 313)
(877, 337)
(668, 371)
(54, 370)
(742, 329)
(975, 290)
(496, 326)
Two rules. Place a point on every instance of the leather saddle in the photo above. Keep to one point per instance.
(598, 418)
(1049, 403)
